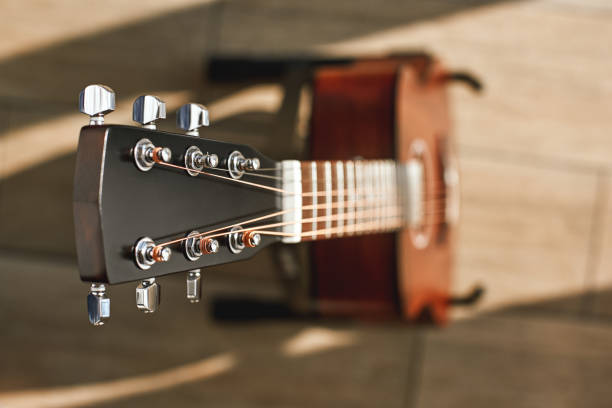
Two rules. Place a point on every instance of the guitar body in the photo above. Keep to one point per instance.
(392, 108)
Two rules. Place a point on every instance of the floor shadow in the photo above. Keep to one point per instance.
(168, 52)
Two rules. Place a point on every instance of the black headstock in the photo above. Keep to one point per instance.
(116, 203)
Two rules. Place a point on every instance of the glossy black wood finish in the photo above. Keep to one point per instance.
(115, 204)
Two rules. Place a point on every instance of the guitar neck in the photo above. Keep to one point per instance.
(331, 199)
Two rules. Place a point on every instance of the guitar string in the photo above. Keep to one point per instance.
(263, 217)
(307, 220)
(248, 173)
(357, 191)
(322, 206)
(358, 203)
(348, 230)
(381, 222)
(318, 219)
(262, 186)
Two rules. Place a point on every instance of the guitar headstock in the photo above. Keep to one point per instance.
(149, 203)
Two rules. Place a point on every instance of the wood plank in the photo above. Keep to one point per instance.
(524, 230)
(515, 363)
(545, 66)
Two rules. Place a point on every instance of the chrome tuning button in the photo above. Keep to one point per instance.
(237, 164)
(148, 295)
(146, 253)
(98, 304)
(194, 285)
(148, 109)
(96, 101)
(191, 117)
(146, 154)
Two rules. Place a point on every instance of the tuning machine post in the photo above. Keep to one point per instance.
(237, 164)
(238, 239)
(146, 253)
(146, 154)
(196, 161)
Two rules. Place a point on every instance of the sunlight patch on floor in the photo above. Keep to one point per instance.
(90, 394)
(316, 339)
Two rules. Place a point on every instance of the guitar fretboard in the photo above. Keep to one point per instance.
(331, 199)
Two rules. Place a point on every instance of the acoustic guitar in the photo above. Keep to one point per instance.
(378, 199)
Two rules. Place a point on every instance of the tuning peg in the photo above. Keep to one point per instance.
(251, 239)
(147, 109)
(96, 101)
(148, 295)
(146, 253)
(238, 164)
(191, 117)
(249, 164)
(98, 304)
(194, 286)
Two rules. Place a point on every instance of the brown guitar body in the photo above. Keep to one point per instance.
(377, 109)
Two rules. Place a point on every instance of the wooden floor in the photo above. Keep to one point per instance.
(546, 354)
(535, 153)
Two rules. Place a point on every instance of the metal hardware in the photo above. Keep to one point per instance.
(194, 286)
(98, 304)
(195, 160)
(96, 101)
(234, 240)
(237, 164)
(211, 160)
(192, 246)
(190, 117)
(146, 253)
(240, 239)
(251, 239)
(209, 246)
(249, 164)
(148, 295)
(195, 246)
(146, 154)
(147, 109)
